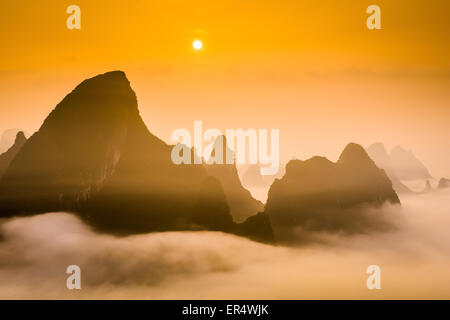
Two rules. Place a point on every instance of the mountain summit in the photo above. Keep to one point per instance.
(76, 149)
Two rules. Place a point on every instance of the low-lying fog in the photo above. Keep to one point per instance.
(414, 261)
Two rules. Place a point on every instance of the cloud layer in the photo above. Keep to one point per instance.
(35, 252)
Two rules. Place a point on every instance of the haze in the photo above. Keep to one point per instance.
(308, 68)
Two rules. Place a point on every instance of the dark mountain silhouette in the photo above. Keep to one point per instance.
(378, 153)
(10, 154)
(94, 155)
(242, 204)
(407, 166)
(320, 195)
(444, 183)
(258, 227)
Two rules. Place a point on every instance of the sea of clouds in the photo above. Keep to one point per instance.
(414, 261)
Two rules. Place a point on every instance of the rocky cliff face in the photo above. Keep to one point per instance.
(319, 195)
(94, 155)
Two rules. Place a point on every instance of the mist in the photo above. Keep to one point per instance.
(414, 260)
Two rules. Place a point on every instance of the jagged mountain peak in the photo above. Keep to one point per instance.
(354, 153)
(79, 144)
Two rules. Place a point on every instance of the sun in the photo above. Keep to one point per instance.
(197, 44)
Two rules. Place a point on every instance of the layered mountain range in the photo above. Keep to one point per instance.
(94, 155)
(379, 154)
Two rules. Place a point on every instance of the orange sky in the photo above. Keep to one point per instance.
(309, 68)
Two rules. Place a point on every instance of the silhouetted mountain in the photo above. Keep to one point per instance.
(378, 153)
(320, 195)
(8, 156)
(444, 183)
(95, 156)
(407, 166)
(7, 139)
(242, 204)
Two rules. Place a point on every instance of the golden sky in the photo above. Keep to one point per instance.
(310, 68)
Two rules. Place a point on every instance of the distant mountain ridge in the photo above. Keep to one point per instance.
(379, 154)
(407, 166)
